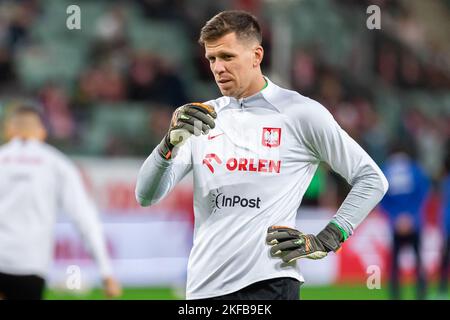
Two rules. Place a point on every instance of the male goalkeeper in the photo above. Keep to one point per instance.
(253, 153)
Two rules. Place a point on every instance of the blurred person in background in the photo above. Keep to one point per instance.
(55, 102)
(36, 182)
(403, 203)
(445, 256)
(152, 78)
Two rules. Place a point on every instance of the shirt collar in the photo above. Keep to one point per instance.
(261, 99)
(20, 141)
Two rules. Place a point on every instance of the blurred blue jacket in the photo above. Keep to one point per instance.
(408, 189)
(446, 204)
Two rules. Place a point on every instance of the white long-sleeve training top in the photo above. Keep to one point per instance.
(36, 183)
(251, 172)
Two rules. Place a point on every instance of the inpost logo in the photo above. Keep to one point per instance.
(220, 201)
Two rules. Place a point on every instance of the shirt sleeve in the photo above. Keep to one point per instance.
(158, 176)
(77, 204)
(328, 142)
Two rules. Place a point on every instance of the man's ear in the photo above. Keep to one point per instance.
(41, 134)
(8, 131)
(258, 55)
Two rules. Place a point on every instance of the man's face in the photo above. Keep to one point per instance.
(25, 126)
(233, 63)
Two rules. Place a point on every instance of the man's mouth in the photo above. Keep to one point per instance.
(223, 81)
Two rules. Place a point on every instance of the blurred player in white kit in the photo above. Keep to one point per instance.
(36, 183)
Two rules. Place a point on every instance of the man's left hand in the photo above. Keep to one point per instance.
(111, 287)
(291, 244)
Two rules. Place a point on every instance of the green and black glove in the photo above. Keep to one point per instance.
(291, 244)
(190, 119)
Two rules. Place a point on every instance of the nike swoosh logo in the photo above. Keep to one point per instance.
(212, 137)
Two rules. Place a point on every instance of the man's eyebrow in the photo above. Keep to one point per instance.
(220, 53)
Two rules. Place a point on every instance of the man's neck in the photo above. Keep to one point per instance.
(25, 136)
(256, 87)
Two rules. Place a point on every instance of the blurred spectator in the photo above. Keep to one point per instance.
(445, 256)
(15, 23)
(304, 73)
(172, 89)
(153, 79)
(162, 9)
(142, 77)
(330, 89)
(409, 29)
(101, 84)
(403, 203)
(56, 106)
(6, 66)
(428, 135)
(111, 84)
(348, 117)
(374, 138)
(111, 26)
(387, 63)
(21, 21)
(111, 42)
(253, 6)
(410, 71)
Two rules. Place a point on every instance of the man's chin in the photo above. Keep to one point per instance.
(226, 93)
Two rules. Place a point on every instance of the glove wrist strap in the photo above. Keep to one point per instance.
(331, 237)
(165, 148)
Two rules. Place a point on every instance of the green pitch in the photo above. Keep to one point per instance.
(334, 292)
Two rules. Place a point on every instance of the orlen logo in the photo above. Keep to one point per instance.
(222, 201)
(208, 159)
(244, 164)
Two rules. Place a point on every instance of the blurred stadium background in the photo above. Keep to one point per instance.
(108, 91)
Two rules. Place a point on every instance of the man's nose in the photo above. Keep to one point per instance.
(219, 67)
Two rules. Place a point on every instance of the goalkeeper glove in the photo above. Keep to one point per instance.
(192, 118)
(292, 244)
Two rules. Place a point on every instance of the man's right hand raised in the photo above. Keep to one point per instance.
(190, 119)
